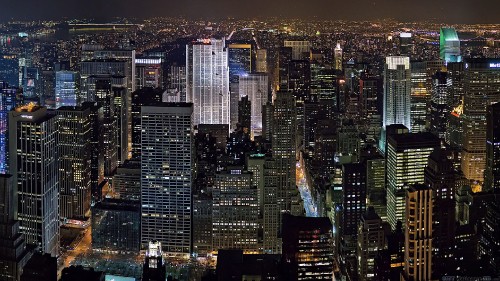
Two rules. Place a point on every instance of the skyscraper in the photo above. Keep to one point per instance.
(397, 90)
(166, 175)
(299, 47)
(407, 156)
(13, 252)
(207, 81)
(354, 195)
(8, 101)
(74, 153)
(418, 233)
(33, 163)
(67, 89)
(235, 211)
(482, 88)
(492, 173)
(371, 240)
(239, 60)
(449, 47)
(255, 86)
(420, 97)
(440, 100)
(338, 57)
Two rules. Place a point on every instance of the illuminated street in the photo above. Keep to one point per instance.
(82, 247)
(309, 206)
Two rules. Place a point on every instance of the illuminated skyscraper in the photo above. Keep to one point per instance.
(207, 81)
(418, 233)
(420, 97)
(33, 163)
(492, 173)
(154, 265)
(8, 101)
(482, 88)
(440, 100)
(239, 60)
(166, 175)
(255, 86)
(9, 69)
(261, 61)
(67, 87)
(397, 90)
(149, 73)
(299, 47)
(407, 157)
(449, 48)
(338, 57)
(235, 211)
(354, 195)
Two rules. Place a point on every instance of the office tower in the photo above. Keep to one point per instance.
(67, 87)
(154, 266)
(370, 90)
(492, 173)
(354, 195)
(255, 86)
(8, 101)
(207, 81)
(96, 150)
(440, 101)
(48, 96)
(125, 55)
(420, 97)
(407, 156)
(489, 233)
(202, 223)
(284, 147)
(31, 84)
(299, 78)
(300, 49)
(140, 98)
(418, 233)
(348, 140)
(244, 115)
(456, 74)
(9, 69)
(454, 131)
(307, 248)
(323, 82)
(116, 225)
(176, 79)
(449, 45)
(74, 152)
(13, 253)
(482, 88)
(338, 57)
(397, 95)
(284, 58)
(127, 181)
(79, 273)
(166, 175)
(33, 139)
(235, 211)
(239, 60)
(93, 69)
(149, 73)
(219, 131)
(371, 240)
(261, 61)
(405, 43)
(40, 267)
(376, 192)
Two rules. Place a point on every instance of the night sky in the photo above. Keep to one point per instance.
(452, 11)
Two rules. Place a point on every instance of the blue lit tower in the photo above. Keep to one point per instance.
(67, 92)
(8, 101)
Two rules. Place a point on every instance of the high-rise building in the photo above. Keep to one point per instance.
(299, 47)
(492, 173)
(255, 86)
(482, 88)
(207, 81)
(420, 97)
(9, 69)
(370, 89)
(127, 181)
(439, 105)
(371, 240)
(261, 60)
(397, 95)
(284, 147)
(407, 156)
(8, 101)
(31, 83)
(74, 152)
(67, 87)
(235, 211)
(166, 175)
(418, 233)
(33, 163)
(176, 80)
(449, 47)
(376, 192)
(140, 98)
(13, 252)
(338, 57)
(239, 60)
(154, 266)
(354, 195)
(149, 73)
(307, 248)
